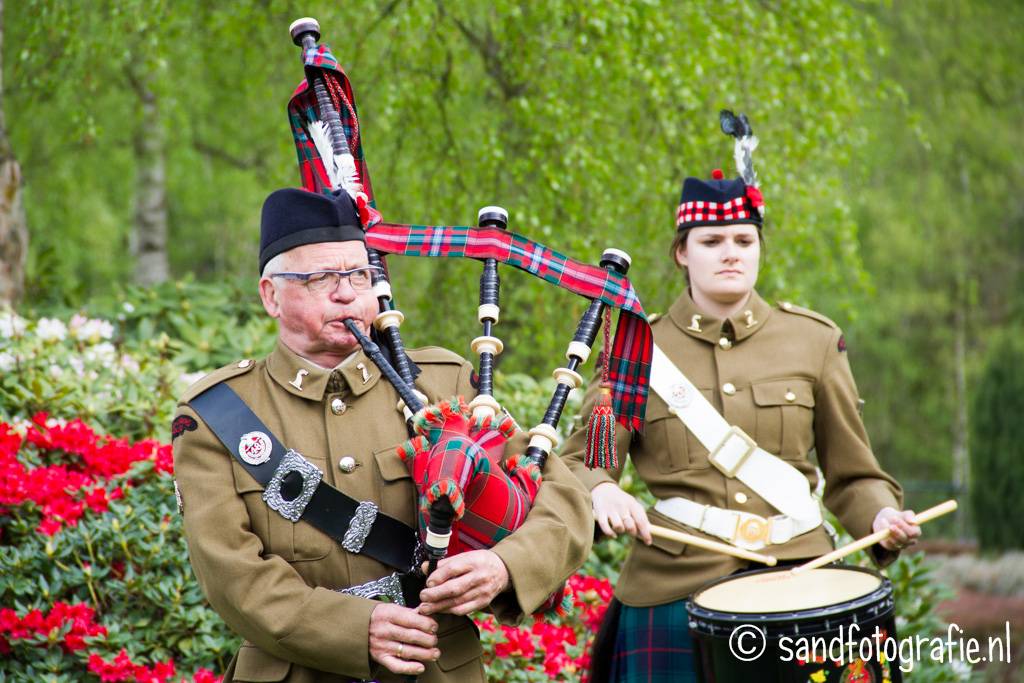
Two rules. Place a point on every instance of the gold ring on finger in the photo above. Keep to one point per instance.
(401, 646)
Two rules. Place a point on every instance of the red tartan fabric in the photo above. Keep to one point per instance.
(303, 109)
(464, 462)
(630, 360)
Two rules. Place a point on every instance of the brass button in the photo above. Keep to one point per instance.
(347, 464)
(790, 396)
(338, 406)
(725, 343)
(728, 389)
(740, 497)
(245, 363)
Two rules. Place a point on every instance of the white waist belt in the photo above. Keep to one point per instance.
(742, 529)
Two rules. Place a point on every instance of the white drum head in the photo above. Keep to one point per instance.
(782, 591)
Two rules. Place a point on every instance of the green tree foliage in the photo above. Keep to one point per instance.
(581, 118)
(997, 432)
(940, 218)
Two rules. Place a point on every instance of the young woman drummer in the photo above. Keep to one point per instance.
(778, 373)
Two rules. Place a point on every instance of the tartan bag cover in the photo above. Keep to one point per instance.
(629, 365)
(457, 456)
(461, 458)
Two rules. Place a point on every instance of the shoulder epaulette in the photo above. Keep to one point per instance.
(807, 313)
(216, 377)
(435, 354)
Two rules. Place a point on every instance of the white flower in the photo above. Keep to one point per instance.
(7, 361)
(128, 308)
(77, 364)
(20, 426)
(51, 329)
(90, 330)
(11, 324)
(75, 325)
(129, 363)
(102, 353)
(56, 371)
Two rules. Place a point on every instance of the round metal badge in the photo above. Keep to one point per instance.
(254, 448)
(678, 396)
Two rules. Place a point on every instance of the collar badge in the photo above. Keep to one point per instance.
(297, 382)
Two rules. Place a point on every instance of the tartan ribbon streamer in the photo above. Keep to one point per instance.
(629, 365)
(303, 109)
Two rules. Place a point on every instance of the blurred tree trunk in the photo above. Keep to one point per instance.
(150, 238)
(13, 228)
(961, 452)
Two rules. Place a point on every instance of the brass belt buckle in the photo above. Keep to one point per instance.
(754, 529)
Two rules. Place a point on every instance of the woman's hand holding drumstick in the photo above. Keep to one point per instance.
(903, 531)
(618, 512)
(868, 541)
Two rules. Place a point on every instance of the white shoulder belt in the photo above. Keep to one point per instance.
(732, 451)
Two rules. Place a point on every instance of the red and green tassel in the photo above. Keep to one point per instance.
(600, 451)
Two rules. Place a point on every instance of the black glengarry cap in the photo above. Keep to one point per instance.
(293, 217)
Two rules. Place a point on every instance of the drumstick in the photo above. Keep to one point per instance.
(690, 539)
(867, 541)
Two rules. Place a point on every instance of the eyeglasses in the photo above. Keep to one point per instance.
(328, 280)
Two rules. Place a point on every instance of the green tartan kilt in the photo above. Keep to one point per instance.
(653, 645)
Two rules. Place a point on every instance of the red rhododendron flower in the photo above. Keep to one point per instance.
(64, 492)
(80, 616)
(121, 669)
(205, 676)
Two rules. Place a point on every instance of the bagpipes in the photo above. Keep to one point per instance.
(470, 497)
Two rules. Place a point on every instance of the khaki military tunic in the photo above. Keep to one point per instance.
(780, 374)
(273, 581)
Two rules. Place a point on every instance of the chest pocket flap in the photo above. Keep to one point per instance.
(784, 392)
(785, 414)
(293, 541)
(391, 465)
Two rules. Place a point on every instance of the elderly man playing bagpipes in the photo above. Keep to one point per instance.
(344, 507)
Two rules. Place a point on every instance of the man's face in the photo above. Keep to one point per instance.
(310, 323)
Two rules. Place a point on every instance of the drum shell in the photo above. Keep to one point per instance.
(715, 663)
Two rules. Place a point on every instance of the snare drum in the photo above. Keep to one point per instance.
(801, 621)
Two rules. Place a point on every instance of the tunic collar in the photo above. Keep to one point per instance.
(357, 374)
(695, 323)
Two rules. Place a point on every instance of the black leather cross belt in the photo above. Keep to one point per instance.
(294, 487)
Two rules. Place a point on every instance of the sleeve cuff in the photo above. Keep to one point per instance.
(882, 557)
(590, 478)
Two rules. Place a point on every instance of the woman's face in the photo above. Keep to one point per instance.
(722, 261)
